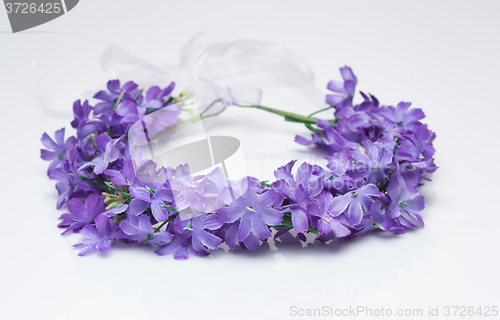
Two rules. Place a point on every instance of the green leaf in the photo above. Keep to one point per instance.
(170, 218)
(140, 92)
(265, 184)
(149, 238)
(119, 100)
(311, 229)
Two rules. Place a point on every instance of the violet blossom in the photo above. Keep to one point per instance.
(377, 156)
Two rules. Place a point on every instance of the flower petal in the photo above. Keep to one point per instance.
(76, 207)
(338, 205)
(260, 229)
(137, 206)
(229, 214)
(252, 243)
(299, 220)
(210, 240)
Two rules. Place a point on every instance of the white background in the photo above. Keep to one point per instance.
(441, 55)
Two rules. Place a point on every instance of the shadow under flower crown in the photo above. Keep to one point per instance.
(377, 157)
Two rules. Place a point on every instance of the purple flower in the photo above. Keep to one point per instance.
(356, 126)
(328, 138)
(343, 91)
(339, 180)
(404, 198)
(372, 164)
(179, 247)
(161, 119)
(155, 97)
(81, 214)
(128, 113)
(140, 229)
(255, 214)
(73, 159)
(116, 210)
(118, 107)
(200, 194)
(124, 177)
(402, 116)
(148, 189)
(192, 236)
(308, 183)
(379, 217)
(156, 199)
(99, 237)
(55, 149)
(121, 107)
(109, 98)
(65, 186)
(202, 239)
(81, 112)
(83, 123)
(377, 158)
(90, 127)
(328, 219)
(417, 146)
(143, 174)
(108, 151)
(354, 203)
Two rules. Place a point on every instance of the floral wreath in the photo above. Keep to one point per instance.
(377, 158)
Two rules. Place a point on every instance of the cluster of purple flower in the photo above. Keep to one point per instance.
(377, 158)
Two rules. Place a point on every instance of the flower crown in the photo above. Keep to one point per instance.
(377, 157)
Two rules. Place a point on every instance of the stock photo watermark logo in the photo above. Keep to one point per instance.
(25, 15)
(204, 172)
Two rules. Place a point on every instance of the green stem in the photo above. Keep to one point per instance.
(119, 100)
(287, 224)
(111, 186)
(313, 129)
(310, 127)
(316, 112)
(212, 115)
(137, 95)
(157, 229)
(293, 117)
(208, 108)
(288, 115)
